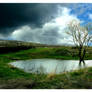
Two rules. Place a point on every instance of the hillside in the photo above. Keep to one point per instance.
(13, 45)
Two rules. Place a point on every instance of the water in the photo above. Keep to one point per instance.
(49, 65)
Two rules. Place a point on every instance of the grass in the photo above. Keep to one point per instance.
(11, 77)
(64, 53)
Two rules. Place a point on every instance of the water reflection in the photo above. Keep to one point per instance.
(50, 65)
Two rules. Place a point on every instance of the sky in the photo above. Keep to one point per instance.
(43, 23)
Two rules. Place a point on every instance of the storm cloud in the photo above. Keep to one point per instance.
(15, 15)
(51, 32)
(40, 23)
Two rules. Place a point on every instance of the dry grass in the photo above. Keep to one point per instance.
(51, 75)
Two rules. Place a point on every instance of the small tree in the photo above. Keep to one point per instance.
(80, 36)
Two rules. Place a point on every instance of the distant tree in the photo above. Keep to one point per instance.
(81, 36)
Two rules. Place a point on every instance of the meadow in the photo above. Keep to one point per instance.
(13, 78)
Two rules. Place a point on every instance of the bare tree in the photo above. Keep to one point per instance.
(81, 37)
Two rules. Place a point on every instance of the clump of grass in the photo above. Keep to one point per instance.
(50, 75)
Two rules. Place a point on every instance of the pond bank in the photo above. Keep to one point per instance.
(11, 77)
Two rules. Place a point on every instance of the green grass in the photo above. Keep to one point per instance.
(11, 77)
(58, 53)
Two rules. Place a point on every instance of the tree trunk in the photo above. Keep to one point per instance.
(80, 55)
(84, 51)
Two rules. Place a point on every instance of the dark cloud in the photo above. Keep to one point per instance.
(41, 23)
(15, 15)
(37, 22)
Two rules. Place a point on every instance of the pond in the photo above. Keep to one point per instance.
(49, 65)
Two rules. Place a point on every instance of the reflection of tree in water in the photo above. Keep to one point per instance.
(82, 65)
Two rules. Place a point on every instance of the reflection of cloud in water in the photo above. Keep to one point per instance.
(49, 65)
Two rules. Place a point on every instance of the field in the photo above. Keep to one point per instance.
(13, 78)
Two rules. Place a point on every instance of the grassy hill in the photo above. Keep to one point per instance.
(14, 43)
(13, 46)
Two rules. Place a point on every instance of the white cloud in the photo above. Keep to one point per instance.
(90, 16)
(51, 32)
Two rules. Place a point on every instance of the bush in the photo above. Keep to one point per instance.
(62, 52)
